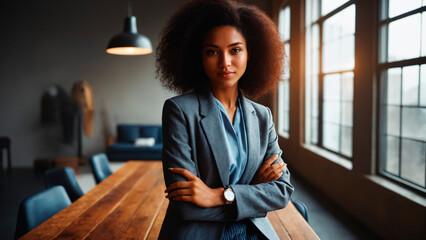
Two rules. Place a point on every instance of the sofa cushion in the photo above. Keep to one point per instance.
(144, 142)
(148, 132)
(127, 133)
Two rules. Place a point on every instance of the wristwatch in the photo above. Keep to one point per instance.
(229, 196)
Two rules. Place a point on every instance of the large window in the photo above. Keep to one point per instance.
(403, 91)
(284, 85)
(330, 51)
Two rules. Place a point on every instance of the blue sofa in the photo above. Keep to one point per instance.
(124, 148)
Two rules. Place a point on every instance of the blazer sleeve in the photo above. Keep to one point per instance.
(257, 200)
(177, 154)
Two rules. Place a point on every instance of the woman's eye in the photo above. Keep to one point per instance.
(211, 52)
(236, 50)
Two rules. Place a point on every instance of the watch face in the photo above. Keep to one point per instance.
(229, 195)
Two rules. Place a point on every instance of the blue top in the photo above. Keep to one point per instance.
(236, 141)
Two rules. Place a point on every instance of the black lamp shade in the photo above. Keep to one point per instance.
(129, 42)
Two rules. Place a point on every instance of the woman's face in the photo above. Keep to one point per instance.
(224, 56)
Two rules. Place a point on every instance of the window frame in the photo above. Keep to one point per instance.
(382, 66)
(320, 22)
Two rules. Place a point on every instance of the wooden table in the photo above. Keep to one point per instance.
(130, 204)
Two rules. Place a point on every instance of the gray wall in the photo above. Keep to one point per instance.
(60, 42)
(52, 42)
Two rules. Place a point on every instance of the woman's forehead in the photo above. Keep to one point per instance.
(224, 36)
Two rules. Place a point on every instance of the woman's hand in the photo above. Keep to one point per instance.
(194, 190)
(268, 172)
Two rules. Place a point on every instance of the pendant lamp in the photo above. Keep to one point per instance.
(129, 42)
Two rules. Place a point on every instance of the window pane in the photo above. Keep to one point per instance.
(315, 97)
(284, 23)
(283, 105)
(414, 123)
(314, 131)
(348, 86)
(404, 38)
(392, 155)
(410, 85)
(332, 87)
(339, 41)
(286, 96)
(423, 34)
(347, 54)
(287, 61)
(347, 141)
(332, 112)
(347, 118)
(331, 55)
(394, 86)
(329, 5)
(393, 120)
(312, 11)
(330, 137)
(315, 37)
(413, 161)
(423, 85)
(283, 93)
(340, 25)
(315, 62)
(397, 7)
(280, 107)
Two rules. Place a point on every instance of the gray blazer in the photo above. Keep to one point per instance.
(192, 140)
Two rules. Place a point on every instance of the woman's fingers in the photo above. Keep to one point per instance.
(272, 173)
(179, 192)
(182, 171)
(275, 171)
(183, 198)
(177, 185)
(270, 161)
(266, 165)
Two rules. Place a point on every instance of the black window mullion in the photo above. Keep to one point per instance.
(383, 121)
(400, 124)
(320, 86)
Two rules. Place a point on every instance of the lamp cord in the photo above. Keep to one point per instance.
(129, 8)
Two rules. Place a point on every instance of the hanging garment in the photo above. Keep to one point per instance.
(57, 106)
(82, 93)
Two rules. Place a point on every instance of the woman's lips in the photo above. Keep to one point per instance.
(226, 74)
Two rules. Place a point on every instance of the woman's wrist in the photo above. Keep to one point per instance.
(220, 199)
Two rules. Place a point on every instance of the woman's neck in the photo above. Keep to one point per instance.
(228, 97)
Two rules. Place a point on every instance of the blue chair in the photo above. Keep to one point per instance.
(65, 177)
(100, 167)
(38, 208)
(301, 207)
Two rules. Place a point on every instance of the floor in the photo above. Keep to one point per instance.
(327, 221)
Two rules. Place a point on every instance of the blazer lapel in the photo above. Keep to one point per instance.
(211, 125)
(253, 140)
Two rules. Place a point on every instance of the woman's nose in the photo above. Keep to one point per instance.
(225, 60)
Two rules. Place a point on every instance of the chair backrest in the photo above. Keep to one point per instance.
(100, 167)
(39, 207)
(303, 210)
(65, 177)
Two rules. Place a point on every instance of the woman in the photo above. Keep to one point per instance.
(221, 160)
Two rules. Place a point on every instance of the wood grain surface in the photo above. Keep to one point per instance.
(130, 204)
